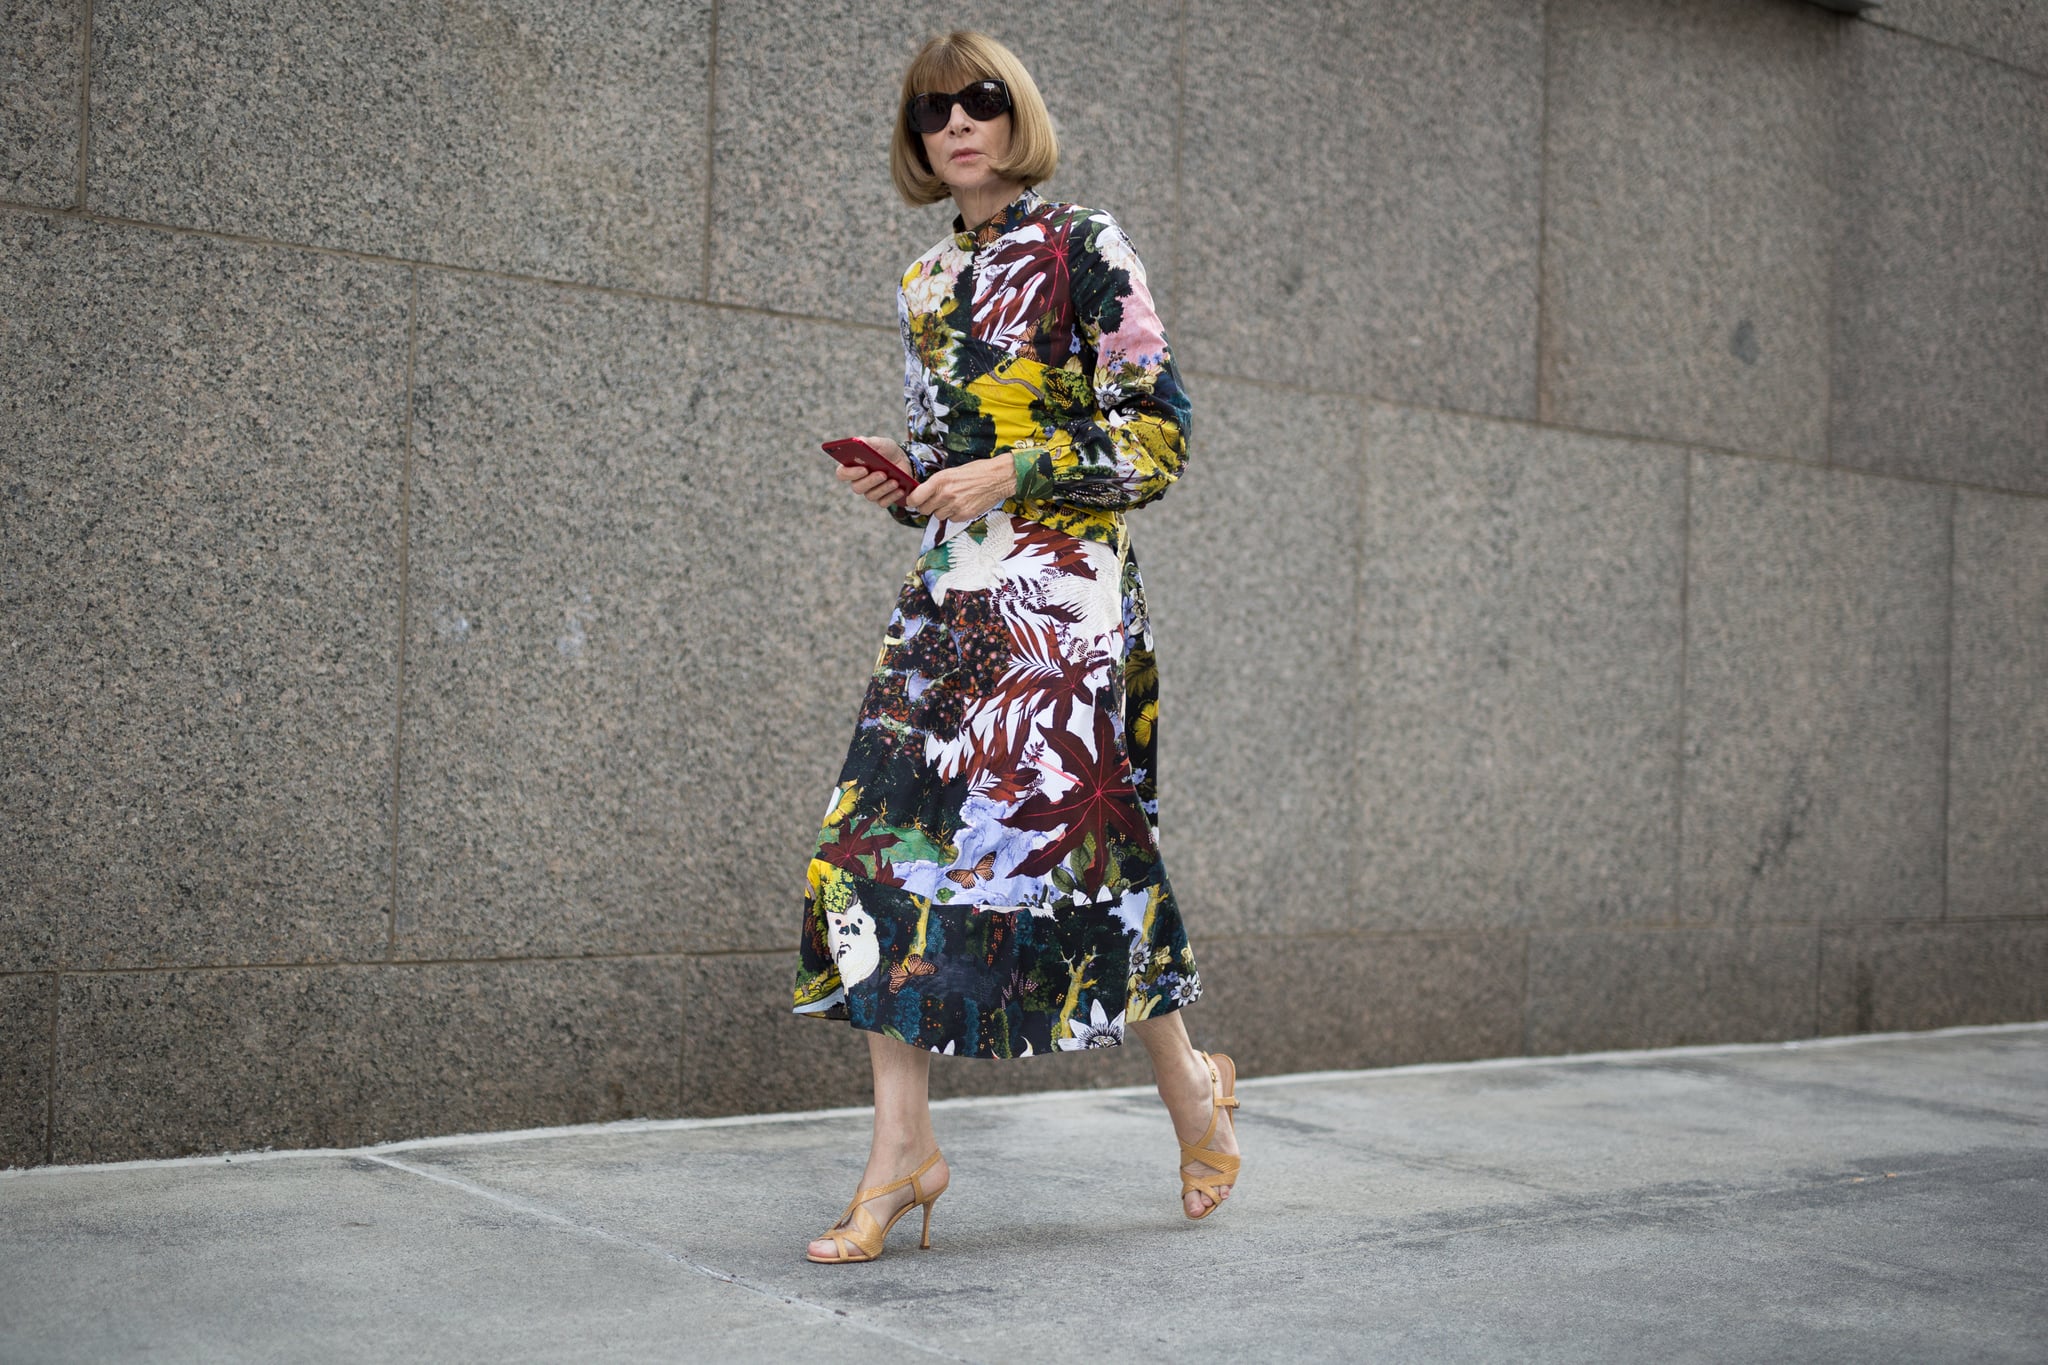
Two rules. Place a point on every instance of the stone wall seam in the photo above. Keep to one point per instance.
(1699, 447)
(1528, 998)
(448, 267)
(1684, 634)
(50, 1079)
(1354, 872)
(1180, 126)
(1839, 63)
(84, 101)
(412, 345)
(1972, 53)
(1948, 708)
(382, 963)
(710, 144)
(1540, 398)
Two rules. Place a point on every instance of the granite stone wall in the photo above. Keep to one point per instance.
(1607, 607)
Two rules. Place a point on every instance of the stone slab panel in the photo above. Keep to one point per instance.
(1251, 570)
(26, 1020)
(744, 1052)
(202, 457)
(1595, 989)
(1885, 977)
(1519, 692)
(1360, 198)
(166, 1063)
(1311, 1002)
(1816, 694)
(350, 1258)
(561, 138)
(2012, 31)
(805, 215)
(1998, 709)
(1941, 278)
(642, 617)
(1687, 211)
(42, 58)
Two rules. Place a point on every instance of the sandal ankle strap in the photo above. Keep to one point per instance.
(862, 1196)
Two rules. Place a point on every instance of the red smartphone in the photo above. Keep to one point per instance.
(851, 450)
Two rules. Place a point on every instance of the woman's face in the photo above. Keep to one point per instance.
(962, 151)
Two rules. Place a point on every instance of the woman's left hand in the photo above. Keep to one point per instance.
(965, 491)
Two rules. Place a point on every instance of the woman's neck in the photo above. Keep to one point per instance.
(981, 201)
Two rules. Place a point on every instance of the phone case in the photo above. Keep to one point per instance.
(851, 450)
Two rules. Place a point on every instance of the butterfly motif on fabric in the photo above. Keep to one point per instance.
(909, 967)
(983, 871)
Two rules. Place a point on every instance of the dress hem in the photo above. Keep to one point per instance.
(823, 1009)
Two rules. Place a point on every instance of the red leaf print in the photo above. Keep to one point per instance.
(855, 843)
(1026, 282)
(1101, 796)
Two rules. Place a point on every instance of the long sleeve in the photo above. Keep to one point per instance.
(919, 426)
(1126, 453)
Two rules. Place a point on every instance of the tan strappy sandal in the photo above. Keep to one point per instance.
(867, 1234)
(1225, 1164)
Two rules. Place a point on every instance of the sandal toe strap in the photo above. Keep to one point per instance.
(844, 1242)
(1226, 1168)
(864, 1230)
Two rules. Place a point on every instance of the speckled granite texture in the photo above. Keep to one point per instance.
(1607, 605)
(204, 453)
(557, 138)
(42, 60)
(1688, 222)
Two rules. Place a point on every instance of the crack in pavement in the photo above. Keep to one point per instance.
(839, 1316)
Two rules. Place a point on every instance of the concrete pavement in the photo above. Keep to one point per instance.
(1876, 1198)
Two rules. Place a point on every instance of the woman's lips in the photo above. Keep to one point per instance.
(969, 152)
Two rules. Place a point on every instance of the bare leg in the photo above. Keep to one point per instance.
(903, 1134)
(1184, 1086)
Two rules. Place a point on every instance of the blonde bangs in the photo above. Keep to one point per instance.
(948, 62)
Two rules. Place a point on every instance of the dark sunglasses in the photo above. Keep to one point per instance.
(982, 101)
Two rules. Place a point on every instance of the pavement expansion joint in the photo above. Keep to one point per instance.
(530, 1209)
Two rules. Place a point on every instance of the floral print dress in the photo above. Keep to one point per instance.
(987, 880)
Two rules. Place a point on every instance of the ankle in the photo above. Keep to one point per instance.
(1181, 1077)
(900, 1153)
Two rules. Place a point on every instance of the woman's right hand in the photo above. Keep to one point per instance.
(879, 489)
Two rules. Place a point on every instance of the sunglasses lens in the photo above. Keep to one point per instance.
(984, 100)
(928, 112)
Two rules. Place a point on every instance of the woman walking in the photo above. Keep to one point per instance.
(987, 881)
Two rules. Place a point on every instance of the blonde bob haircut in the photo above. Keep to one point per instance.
(946, 63)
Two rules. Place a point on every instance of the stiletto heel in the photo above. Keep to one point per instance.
(1222, 1096)
(864, 1233)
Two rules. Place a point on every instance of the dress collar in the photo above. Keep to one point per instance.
(1001, 221)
